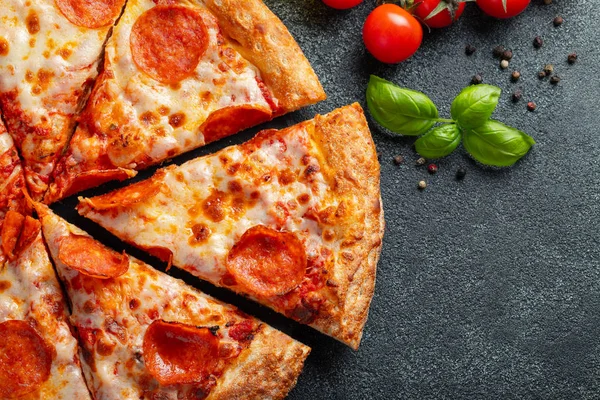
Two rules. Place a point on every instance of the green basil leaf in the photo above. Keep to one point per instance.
(475, 105)
(402, 111)
(494, 143)
(438, 142)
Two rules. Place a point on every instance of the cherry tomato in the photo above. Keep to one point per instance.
(342, 4)
(440, 19)
(503, 8)
(392, 34)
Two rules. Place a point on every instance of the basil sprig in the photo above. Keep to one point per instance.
(412, 113)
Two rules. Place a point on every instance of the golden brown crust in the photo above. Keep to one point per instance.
(266, 42)
(349, 163)
(269, 368)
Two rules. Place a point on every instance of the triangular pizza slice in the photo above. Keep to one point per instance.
(49, 51)
(38, 354)
(177, 75)
(292, 218)
(147, 335)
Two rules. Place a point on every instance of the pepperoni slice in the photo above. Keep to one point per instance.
(31, 228)
(229, 120)
(13, 224)
(176, 353)
(128, 196)
(25, 359)
(267, 262)
(90, 13)
(91, 258)
(167, 42)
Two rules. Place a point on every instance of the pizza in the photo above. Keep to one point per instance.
(38, 354)
(12, 182)
(49, 51)
(147, 335)
(291, 218)
(178, 74)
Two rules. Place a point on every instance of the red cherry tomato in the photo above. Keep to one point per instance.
(392, 34)
(442, 18)
(342, 4)
(503, 8)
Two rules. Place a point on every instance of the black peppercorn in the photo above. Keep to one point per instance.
(555, 79)
(498, 50)
(558, 21)
(476, 80)
(572, 58)
(469, 50)
(538, 42)
(516, 96)
(507, 55)
(541, 74)
(547, 2)
(398, 160)
(460, 173)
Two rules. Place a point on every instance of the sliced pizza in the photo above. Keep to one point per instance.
(291, 218)
(38, 354)
(177, 75)
(49, 51)
(147, 335)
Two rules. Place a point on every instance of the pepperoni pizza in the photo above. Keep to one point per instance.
(144, 334)
(38, 354)
(291, 218)
(177, 75)
(49, 51)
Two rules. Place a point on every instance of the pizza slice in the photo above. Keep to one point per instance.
(49, 51)
(177, 75)
(291, 218)
(147, 335)
(38, 354)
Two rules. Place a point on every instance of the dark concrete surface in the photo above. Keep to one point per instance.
(487, 288)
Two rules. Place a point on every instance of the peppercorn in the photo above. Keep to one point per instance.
(542, 74)
(398, 160)
(469, 50)
(558, 21)
(531, 106)
(460, 174)
(516, 96)
(504, 64)
(548, 69)
(555, 79)
(516, 75)
(421, 161)
(538, 42)
(498, 50)
(547, 2)
(507, 55)
(422, 185)
(476, 80)
(432, 168)
(572, 58)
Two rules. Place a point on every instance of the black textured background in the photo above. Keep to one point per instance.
(487, 288)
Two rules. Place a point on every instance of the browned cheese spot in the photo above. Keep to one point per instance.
(4, 47)
(33, 23)
(177, 120)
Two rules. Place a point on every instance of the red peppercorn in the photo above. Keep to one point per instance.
(531, 106)
(432, 168)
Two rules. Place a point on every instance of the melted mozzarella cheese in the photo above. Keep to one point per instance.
(33, 288)
(137, 93)
(165, 219)
(5, 140)
(47, 66)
